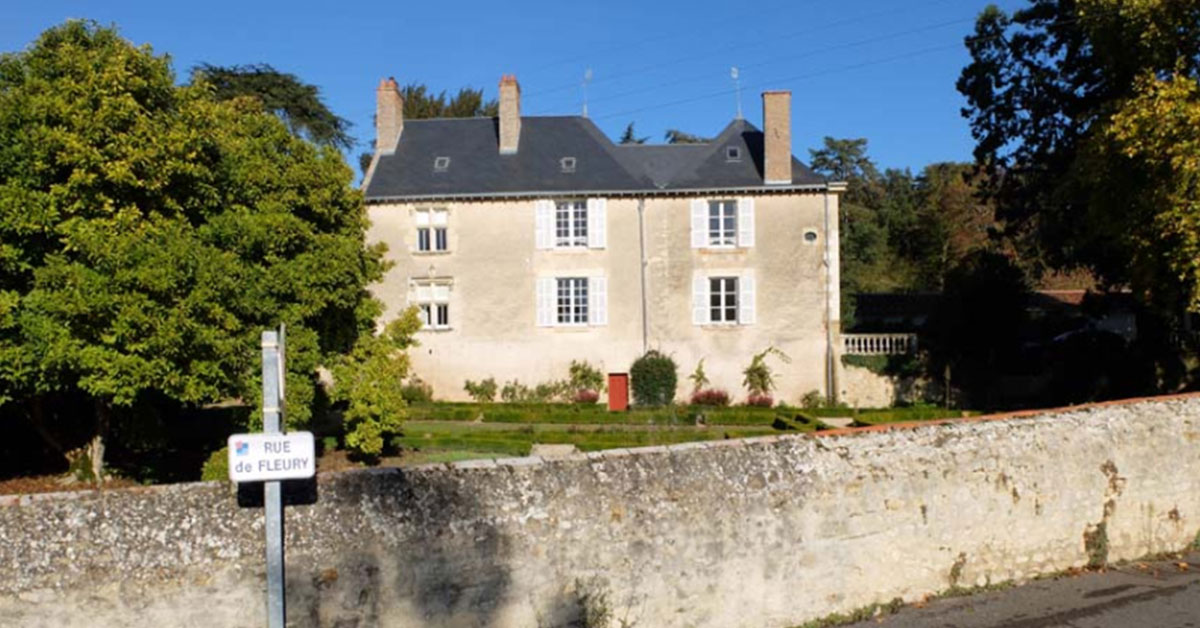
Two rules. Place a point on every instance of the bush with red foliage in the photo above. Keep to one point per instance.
(587, 396)
(761, 401)
(710, 397)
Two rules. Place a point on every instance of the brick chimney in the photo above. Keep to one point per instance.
(777, 137)
(389, 116)
(510, 114)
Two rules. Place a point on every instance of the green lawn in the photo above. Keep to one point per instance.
(445, 432)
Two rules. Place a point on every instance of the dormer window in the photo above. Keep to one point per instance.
(567, 164)
(733, 153)
(441, 164)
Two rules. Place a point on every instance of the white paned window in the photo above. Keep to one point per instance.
(723, 224)
(572, 301)
(721, 298)
(570, 223)
(433, 299)
(431, 231)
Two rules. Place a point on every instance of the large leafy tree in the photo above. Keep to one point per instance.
(297, 103)
(1061, 99)
(149, 232)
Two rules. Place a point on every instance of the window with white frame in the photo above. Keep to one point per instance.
(570, 223)
(723, 297)
(433, 299)
(722, 223)
(572, 301)
(431, 230)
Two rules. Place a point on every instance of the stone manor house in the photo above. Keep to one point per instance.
(529, 242)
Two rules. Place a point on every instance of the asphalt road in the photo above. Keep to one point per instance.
(1161, 594)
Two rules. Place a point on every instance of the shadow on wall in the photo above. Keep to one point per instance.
(434, 552)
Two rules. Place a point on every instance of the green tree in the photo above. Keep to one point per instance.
(629, 137)
(1044, 87)
(149, 233)
(297, 103)
(675, 136)
(866, 258)
(370, 381)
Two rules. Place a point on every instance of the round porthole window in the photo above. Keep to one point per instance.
(810, 236)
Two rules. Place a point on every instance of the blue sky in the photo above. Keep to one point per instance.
(880, 69)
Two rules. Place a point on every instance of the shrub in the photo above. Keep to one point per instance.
(699, 378)
(654, 379)
(761, 401)
(513, 392)
(710, 397)
(482, 392)
(516, 392)
(586, 396)
(549, 391)
(584, 376)
(812, 400)
(216, 467)
(368, 381)
(416, 391)
(760, 380)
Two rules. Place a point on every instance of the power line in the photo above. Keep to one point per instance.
(657, 66)
(773, 60)
(800, 77)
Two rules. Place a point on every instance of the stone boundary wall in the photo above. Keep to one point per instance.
(756, 533)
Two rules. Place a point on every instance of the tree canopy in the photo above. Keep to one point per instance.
(1065, 101)
(149, 232)
(629, 137)
(295, 102)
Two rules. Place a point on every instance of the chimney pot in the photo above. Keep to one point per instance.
(510, 114)
(777, 137)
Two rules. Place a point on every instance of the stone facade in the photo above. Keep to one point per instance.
(757, 533)
(492, 265)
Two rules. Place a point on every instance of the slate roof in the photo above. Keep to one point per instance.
(477, 169)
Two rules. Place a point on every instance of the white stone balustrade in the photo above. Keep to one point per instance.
(878, 344)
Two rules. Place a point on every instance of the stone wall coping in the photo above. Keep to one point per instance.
(597, 456)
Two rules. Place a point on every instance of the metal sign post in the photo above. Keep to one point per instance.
(271, 457)
(273, 395)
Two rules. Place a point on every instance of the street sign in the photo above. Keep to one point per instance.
(264, 457)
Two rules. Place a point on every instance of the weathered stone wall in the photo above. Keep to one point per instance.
(756, 533)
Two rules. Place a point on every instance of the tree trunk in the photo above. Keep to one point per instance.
(95, 448)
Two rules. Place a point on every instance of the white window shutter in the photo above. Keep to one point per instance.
(699, 299)
(597, 221)
(699, 223)
(747, 312)
(546, 298)
(745, 222)
(598, 300)
(543, 223)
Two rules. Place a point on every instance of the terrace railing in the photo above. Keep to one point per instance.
(878, 344)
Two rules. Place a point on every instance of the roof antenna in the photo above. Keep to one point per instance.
(587, 78)
(737, 88)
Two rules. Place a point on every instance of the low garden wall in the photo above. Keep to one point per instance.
(758, 533)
